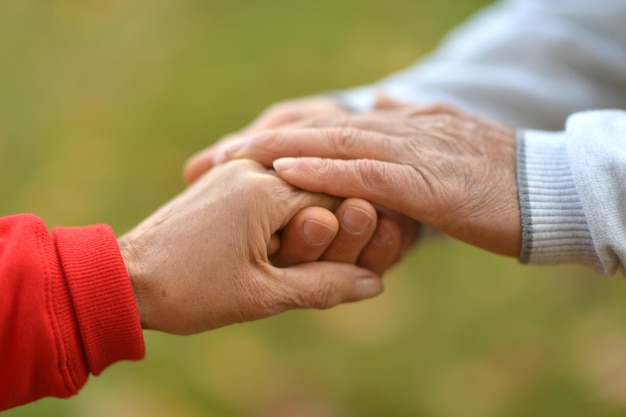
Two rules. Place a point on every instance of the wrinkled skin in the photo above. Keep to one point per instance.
(435, 164)
(392, 235)
(201, 261)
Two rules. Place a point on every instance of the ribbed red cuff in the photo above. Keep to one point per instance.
(101, 293)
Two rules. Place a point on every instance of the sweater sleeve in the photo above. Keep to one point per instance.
(572, 187)
(66, 308)
(525, 63)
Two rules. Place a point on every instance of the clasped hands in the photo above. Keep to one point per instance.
(242, 244)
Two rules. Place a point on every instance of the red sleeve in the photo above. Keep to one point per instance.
(66, 308)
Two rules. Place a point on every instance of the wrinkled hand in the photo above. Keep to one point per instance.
(376, 246)
(438, 165)
(353, 233)
(201, 261)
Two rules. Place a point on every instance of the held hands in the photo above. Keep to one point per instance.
(202, 260)
(435, 164)
(391, 230)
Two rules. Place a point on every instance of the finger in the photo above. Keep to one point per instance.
(279, 115)
(288, 200)
(325, 284)
(409, 228)
(277, 201)
(198, 164)
(396, 187)
(333, 142)
(290, 112)
(325, 138)
(306, 237)
(357, 219)
(384, 248)
(383, 136)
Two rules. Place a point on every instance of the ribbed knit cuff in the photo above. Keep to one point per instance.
(554, 227)
(101, 293)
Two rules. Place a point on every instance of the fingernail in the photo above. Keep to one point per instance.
(283, 164)
(382, 235)
(316, 233)
(355, 220)
(367, 288)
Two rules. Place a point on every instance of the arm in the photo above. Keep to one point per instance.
(201, 261)
(457, 173)
(526, 63)
(67, 309)
(74, 301)
(392, 234)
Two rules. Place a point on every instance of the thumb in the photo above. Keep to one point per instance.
(325, 284)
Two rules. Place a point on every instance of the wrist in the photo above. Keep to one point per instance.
(136, 275)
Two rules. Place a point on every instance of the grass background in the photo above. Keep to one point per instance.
(101, 102)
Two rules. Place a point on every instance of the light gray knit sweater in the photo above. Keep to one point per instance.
(572, 189)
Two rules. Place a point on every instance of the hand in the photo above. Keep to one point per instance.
(354, 233)
(436, 164)
(201, 261)
(278, 115)
(391, 236)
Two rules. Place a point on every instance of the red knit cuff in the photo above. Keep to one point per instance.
(101, 294)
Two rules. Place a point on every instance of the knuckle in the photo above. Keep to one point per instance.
(344, 140)
(440, 107)
(281, 192)
(266, 141)
(436, 108)
(266, 188)
(373, 174)
(325, 170)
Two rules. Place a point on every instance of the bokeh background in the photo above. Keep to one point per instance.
(101, 102)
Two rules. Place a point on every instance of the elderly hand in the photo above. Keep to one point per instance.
(353, 233)
(375, 246)
(201, 261)
(438, 165)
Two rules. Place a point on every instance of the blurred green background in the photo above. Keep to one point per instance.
(101, 102)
